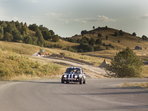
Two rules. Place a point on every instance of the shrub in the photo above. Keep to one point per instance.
(134, 34)
(85, 48)
(144, 37)
(126, 64)
(55, 38)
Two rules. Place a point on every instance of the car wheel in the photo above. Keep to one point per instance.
(81, 81)
(62, 81)
(84, 82)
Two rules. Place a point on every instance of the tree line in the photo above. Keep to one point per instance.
(15, 31)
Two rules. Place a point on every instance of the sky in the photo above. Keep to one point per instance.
(70, 17)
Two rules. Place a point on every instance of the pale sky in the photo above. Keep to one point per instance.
(70, 17)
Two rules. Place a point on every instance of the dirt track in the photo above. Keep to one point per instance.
(91, 71)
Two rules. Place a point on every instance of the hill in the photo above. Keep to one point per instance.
(104, 38)
(101, 38)
(17, 62)
(93, 46)
(14, 31)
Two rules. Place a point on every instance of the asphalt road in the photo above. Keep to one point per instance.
(51, 95)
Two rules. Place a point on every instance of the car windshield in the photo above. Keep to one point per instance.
(73, 70)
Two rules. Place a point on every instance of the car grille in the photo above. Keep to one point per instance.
(70, 76)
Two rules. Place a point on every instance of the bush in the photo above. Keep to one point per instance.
(126, 64)
(55, 38)
(85, 48)
(134, 34)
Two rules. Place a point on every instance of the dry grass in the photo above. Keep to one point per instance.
(26, 49)
(63, 43)
(16, 62)
(145, 71)
(141, 84)
(16, 66)
(19, 48)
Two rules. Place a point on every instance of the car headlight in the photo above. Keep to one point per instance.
(65, 76)
(76, 76)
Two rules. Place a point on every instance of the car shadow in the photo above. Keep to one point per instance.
(111, 93)
(45, 82)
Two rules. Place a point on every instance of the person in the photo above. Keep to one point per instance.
(77, 71)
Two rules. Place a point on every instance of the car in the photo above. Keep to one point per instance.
(74, 74)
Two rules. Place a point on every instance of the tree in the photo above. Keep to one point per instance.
(92, 41)
(99, 35)
(8, 37)
(144, 37)
(46, 34)
(83, 47)
(28, 40)
(115, 34)
(93, 27)
(106, 37)
(9, 28)
(40, 40)
(17, 37)
(98, 41)
(84, 40)
(1, 33)
(83, 32)
(134, 34)
(55, 38)
(106, 27)
(126, 64)
(33, 27)
(121, 33)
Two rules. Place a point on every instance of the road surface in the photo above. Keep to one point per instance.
(51, 95)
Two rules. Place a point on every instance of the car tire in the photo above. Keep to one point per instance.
(84, 82)
(81, 81)
(62, 80)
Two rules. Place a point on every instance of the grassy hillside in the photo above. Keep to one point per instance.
(101, 38)
(14, 31)
(29, 50)
(106, 40)
(16, 66)
(16, 61)
(109, 39)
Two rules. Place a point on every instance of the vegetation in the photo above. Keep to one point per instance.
(134, 34)
(126, 64)
(13, 65)
(144, 38)
(141, 84)
(100, 38)
(28, 50)
(105, 38)
(32, 34)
